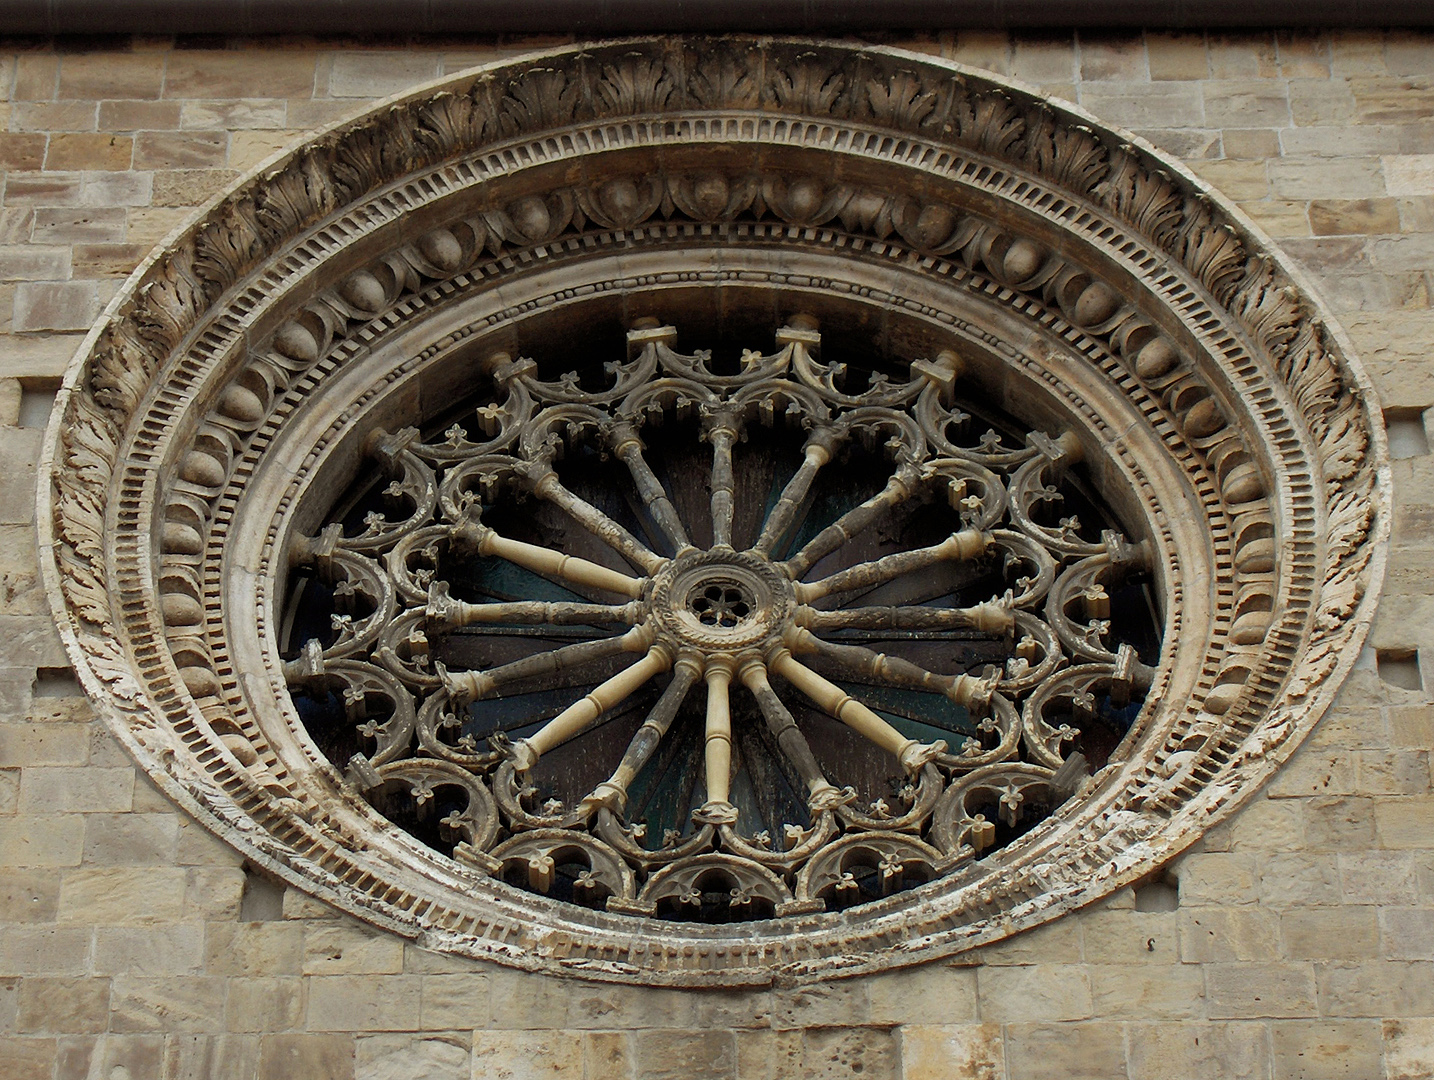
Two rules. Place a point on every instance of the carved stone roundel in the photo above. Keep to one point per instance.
(686, 511)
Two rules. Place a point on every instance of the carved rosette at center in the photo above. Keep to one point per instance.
(820, 692)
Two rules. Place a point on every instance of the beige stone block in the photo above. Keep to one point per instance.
(1297, 878)
(1314, 772)
(1179, 57)
(1230, 1051)
(1246, 103)
(1188, 144)
(190, 187)
(1337, 933)
(1302, 53)
(107, 260)
(254, 948)
(1280, 218)
(327, 1056)
(109, 74)
(89, 150)
(33, 262)
(935, 993)
(138, 115)
(1250, 144)
(1338, 824)
(1408, 1049)
(1251, 55)
(1412, 725)
(412, 1057)
(248, 148)
(54, 116)
(130, 839)
(1352, 728)
(1242, 991)
(152, 224)
(1055, 942)
(241, 73)
(299, 905)
(1404, 822)
(1377, 877)
(37, 76)
(1119, 57)
(454, 1002)
(1344, 141)
(607, 1055)
(22, 151)
(1392, 100)
(214, 892)
(180, 150)
(827, 1054)
(1327, 1049)
(26, 1058)
(172, 949)
(1146, 105)
(1356, 52)
(1091, 1051)
(674, 1054)
(1239, 180)
(1393, 772)
(1374, 988)
(1320, 102)
(1154, 992)
(41, 949)
(736, 1009)
(305, 115)
(528, 1055)
(379, 74)
(41, 840)
(26, 744)
(264, 1004)
(122, 895)
(55, 305)
(233, 115)
(117, 189)
(1034, 992)
(1217, 878)
(211, 1057)
(1039, 59)
(944, 1051)
(347, 948)
(1265, 825)
(1408, 933)
(364, 1003)
(828, 1004)
(191, 1004)
(1130, 937)
(9, 790)
(1353, 217)
(1409, 174)
(86, 225)
(63, 1006)
(1325, 178)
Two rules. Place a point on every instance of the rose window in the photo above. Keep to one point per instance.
(720, 638)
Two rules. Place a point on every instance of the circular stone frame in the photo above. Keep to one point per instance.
(1089, 285)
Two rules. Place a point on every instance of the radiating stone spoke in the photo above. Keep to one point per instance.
(628, 449)
(836, 702)
(583, 713)
(466, 686)
(599, 524)
(724, 486)
(717, 746)
(861, 664)
(822, 794)
(612, 792)
(815, 454)
(989, 618)
(967, 544)
(546, 561)
(443, 613)
(902, 485)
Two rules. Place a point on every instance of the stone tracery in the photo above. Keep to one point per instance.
(730, 617)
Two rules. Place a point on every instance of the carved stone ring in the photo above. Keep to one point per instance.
(688, 511)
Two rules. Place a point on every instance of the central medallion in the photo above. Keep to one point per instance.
(722, 601)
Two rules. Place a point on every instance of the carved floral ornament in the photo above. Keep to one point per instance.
(680, 511)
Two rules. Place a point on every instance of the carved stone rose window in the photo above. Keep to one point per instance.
(600, 499)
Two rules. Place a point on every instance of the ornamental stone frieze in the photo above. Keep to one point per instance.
(687, 510)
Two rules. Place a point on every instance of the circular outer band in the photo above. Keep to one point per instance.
(1089, 285)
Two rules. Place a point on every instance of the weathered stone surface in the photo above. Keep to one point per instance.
(1408, 1049)
(941, 1051)
(1229, 1051)
(412, 1057)
(1093, 1051)
(307, 1055)
(528, 1055)
(364, 1003)
(1327, 1049)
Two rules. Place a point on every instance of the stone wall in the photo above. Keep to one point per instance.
(1295, 941)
